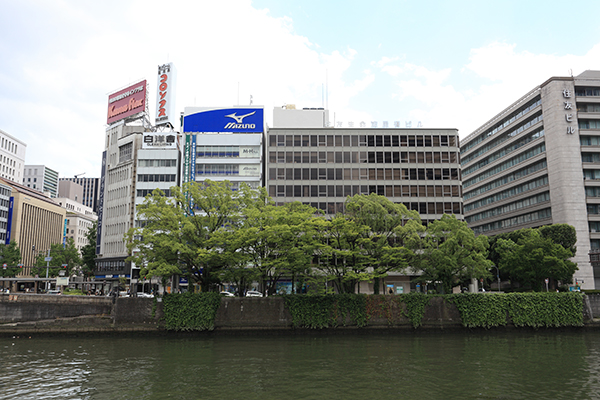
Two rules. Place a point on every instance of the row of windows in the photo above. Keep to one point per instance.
(125, 152)
(515, 221)
(338, 174)
(589, 140)
(357, 157)
(422, 208)
(593, 209)
(508, 193)
(592, 124)
(504, 123)
(504, 152)
(586, 107)
(591, 174)
(507, 178)
(146, 192)
(351, 190)
(363, 140)
(157, 163)
(594, 226)
(517, 205)
(590, 157)
(592, 191)
(8, 145)
(103, 266)
(507, 164)
(156, 178)
(582, 91)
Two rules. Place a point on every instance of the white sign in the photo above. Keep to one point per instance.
(165, 98)
(155, 140)
(249, 151)
(62, 281)
(250, 170)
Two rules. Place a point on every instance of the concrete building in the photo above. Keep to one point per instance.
(42, 179)
(322, 166)
(12, 157)
(537, 163)
(222, 145)
(35, 222)
(70, 190)
(289, 117)
(90, 191)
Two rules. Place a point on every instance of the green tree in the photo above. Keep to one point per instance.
(11, 256)
(451, 253)
(61, 255)
(563, 234)
(88, 252)
(180, 234)
(534, 258)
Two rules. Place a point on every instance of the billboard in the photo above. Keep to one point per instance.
(230, 120)
(165, 97)
(126, 102)
(159, 140)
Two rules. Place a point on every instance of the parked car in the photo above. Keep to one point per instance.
(227, 294)
(253, 293)
(53, 291)
(147, 295)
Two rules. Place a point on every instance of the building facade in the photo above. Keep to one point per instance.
(322, 166)
(42, 179)
(224, 144)
(538, 163)
(12, 157)
(90, 191)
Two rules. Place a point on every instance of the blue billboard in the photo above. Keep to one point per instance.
(231, 120)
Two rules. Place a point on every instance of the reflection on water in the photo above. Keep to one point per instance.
(481, 365)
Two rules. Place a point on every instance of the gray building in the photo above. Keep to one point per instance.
(90, 191)
(322, 166)
(42, 179)
(537, 163)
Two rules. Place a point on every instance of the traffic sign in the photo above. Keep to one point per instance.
(4, 266)
(47, 258)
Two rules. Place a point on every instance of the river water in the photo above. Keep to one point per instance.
(431, 365)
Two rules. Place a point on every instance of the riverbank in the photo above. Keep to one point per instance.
(22, 314)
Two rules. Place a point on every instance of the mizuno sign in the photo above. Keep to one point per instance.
(234, 120)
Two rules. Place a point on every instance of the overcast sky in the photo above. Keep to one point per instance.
(446, 64)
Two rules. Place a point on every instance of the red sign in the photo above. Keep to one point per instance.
(126, 102)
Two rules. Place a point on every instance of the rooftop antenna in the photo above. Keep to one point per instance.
(250, 99)
(78, 175)
(238, 102)
(327, 89)
(571, 72)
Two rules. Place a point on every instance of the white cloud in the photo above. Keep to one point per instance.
(504, 73)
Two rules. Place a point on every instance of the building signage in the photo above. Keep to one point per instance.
(100, 204)
(11, 205)
(186, 158)
(157, 140)
(250, 170)
(375, 124)
(249, 151)
(126, 102)
(193, 153)
(231, 120)
(165, 99)
(568, 106)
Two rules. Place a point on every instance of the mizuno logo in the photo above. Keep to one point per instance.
(239, 118)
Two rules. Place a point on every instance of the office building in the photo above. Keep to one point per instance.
(224, 144)
(90, 191)
(537, 163)
(12, 157)
(322, 166)
(42, 179)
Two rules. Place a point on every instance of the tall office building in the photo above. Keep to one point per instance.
(90, 191)
(537, 163)
(42, 179)
(224, 144)
(322, 166)
(12, 157)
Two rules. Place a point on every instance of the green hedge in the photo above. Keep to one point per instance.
(191, 311)
(535, 310)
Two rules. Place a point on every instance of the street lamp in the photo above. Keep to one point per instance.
(497, 275)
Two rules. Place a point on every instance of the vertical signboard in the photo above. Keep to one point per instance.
(186, 158)
(165, 97)
(101, 203)
(9, 222)
(65, 231)
(193, 159)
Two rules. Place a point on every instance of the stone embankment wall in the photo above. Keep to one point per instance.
(31, 313)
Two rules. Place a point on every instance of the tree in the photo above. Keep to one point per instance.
(11, 256)
(66, 254)
(452, 253)
(534, 258)
(88, 252)
(180, 234)
(563, 234)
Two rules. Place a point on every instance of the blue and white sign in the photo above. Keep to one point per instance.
(231, 120)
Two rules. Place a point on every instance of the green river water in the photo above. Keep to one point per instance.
(417, 365)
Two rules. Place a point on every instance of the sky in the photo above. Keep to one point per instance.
(440, 64)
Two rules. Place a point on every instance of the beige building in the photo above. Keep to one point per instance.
(537, 163)
(37, 222)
